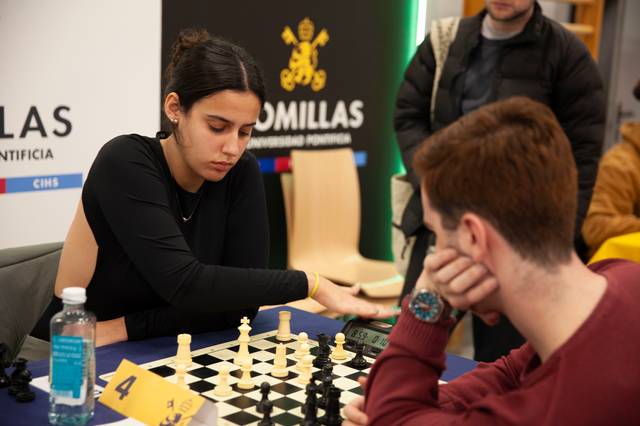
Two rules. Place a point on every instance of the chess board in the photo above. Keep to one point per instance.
(287, 394)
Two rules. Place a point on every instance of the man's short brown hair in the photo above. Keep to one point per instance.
(510, 162)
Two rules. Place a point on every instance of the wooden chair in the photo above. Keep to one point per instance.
(322, 205)
(309, 305)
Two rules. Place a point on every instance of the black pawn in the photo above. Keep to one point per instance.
(327, 381)
(4, 354)
(267, 406)
(332, 412)
(265, 388)
(312, 390)
(358, 361)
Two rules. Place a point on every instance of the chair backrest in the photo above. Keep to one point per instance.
(326, 202)
(27, 278)
(286, 183)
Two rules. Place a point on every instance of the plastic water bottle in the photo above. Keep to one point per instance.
(72, 362)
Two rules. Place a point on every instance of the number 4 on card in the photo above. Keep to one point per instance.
(123, 387)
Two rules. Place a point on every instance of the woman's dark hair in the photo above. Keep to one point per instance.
(202, 65)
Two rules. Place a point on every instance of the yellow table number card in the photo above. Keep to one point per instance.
(140, 394)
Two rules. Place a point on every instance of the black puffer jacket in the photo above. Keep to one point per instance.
(544, 62)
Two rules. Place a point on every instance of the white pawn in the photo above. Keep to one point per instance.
(184, 350)
(284, 326)
(306, 364)
(302, 338)
(223, 388)
(280, 362)
(246, 382)
(339, 353)
(181, 372)
(304, 351)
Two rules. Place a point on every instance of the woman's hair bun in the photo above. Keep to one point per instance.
(187, 39)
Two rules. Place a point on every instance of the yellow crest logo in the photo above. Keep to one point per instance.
(303, 64)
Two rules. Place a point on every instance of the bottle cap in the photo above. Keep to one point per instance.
(74, 295)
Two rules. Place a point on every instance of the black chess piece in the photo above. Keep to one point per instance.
(358, 361)
(310, 408)
(327, 370)
(265, 388)
(324, 350)
(312, 391)
(267, 406)
(327, 381)
(20, 379)
(26, 396)
(332, 412)
(4, 355)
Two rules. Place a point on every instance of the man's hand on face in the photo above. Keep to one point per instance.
(459, 280)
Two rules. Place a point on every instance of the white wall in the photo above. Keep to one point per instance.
(101, 59)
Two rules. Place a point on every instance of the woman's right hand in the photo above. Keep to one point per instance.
(343, 300)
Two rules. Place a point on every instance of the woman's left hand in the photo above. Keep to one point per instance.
(111, 331)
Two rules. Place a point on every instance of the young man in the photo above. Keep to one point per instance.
(509, 49)
(499, 191)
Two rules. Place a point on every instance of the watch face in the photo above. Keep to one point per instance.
(426, 306)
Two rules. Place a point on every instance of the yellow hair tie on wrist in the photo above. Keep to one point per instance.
(316, 284)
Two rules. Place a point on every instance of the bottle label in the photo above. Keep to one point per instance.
(67, 370)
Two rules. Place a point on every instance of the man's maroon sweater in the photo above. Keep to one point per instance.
(592, 379)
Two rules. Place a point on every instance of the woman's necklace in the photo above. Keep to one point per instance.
(186, 219)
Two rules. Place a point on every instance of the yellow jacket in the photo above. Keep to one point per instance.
(615, 206)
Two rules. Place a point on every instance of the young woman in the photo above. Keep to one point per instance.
(171, 233)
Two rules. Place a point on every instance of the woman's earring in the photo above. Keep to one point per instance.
(174, 120)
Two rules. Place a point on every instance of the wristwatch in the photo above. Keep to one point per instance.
(428, 306)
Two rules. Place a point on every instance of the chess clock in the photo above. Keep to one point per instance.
(372, 333)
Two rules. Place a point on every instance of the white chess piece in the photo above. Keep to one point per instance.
(246, 382)
(304, 350)
(280, 362)
(302, 338)
(306, 364)
(223, 388)
(339, 353)
(183, 356)
(181, 372)
(284, 326)
(243, 341)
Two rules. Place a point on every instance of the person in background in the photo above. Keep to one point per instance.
(499, 191)
(171, 233)
(615, 206)
(508, 49)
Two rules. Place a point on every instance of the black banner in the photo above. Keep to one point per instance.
(332, 69)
